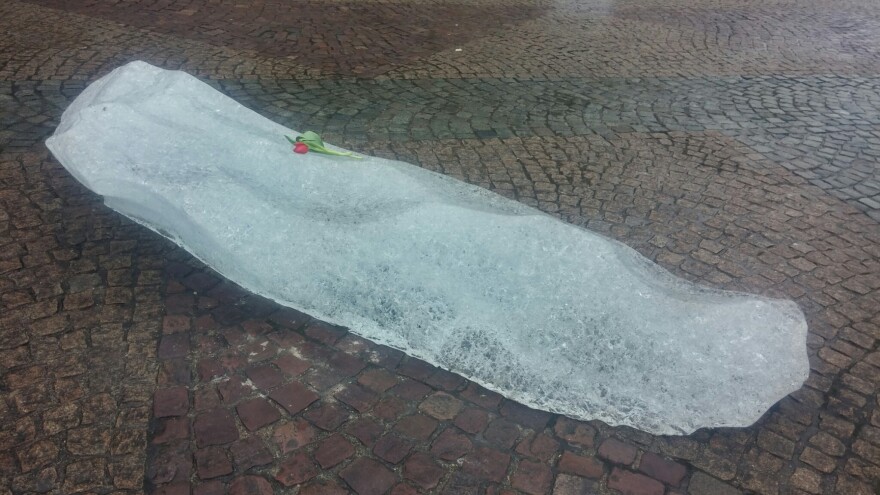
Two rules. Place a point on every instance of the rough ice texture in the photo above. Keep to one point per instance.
(544, 312)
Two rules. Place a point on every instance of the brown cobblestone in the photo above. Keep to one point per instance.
(806, 480)
(818, 460)
(701, 484)
(472, 420)
(327, 416)
(85, 475)
(619, 452)
(389, 408)
(480, 396)
(531, 477)
(410, 390)
(291, 365)
(212, 462)
(762, 184)
(828, 444)
(571, 485)
(367, 477)
(291, 436)
(215, 427)
(213, 487)
(403, 489)
(581, 466)
(502, 433)
(296, 470)
(417, 427)
(127, 473)
(250, 485)
(451, 445)
(486, 463)
(250, 452)
(357, 397)
(257, 413)
(366, 430)
(525, 416)
(575, 433)
(264, 376)
(377, 380)
(392, 448)
(333, 450)
(539, 446)
(37, 454)
(775, 444)
(416, 369)
(629, 483)
(294, 397)
(170, 402)
(423, 471)
(179, 488)
(836, 426)
(88, 441)
(441, 405)
(671, 473)
(321, 488)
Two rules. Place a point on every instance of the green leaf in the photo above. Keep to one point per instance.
(310, 138)
(335, 153)
(316, 144)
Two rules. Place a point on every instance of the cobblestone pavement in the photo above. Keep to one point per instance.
(734, 142)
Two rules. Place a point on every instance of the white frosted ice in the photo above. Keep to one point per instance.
(544, 312)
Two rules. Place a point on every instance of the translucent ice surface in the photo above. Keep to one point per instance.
(544, 312)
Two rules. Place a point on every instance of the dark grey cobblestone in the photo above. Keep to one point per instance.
(31, 110)
(823, 128)
(826, 129)
(458, 108)
(320, 35)
(842, 162)
(565, 107)
(682, 38)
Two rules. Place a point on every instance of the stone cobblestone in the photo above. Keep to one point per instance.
(733, 143)
(77, 356)
(77, 48)
(679, 38)
(829, 133)
(405, 31)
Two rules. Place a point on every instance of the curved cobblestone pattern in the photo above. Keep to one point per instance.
(825, 129)
(811, 125)
(683, 38)
(575, 106)
(352, 38)
(734, 143)
(79, 48)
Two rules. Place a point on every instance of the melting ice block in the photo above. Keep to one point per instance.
(544, 312)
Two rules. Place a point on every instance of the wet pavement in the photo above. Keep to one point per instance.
(735, 143)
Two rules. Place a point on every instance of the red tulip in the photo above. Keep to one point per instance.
(311, 141)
